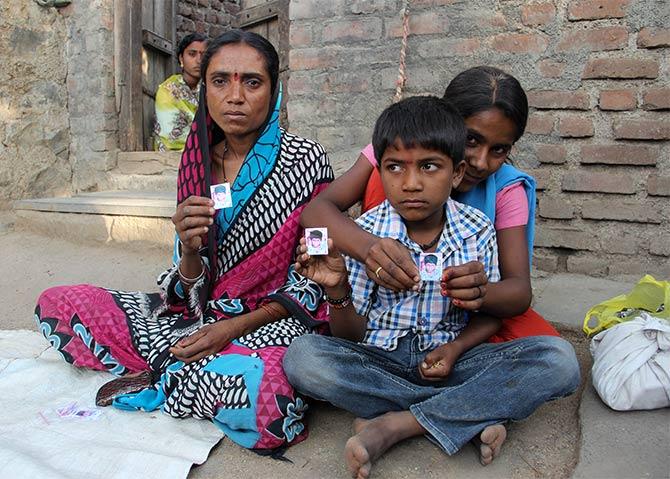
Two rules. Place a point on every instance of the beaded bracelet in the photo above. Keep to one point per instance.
(339, 303)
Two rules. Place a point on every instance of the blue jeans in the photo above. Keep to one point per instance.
(489, 384)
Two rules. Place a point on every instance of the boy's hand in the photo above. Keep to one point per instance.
(327, 270)
(465, 284)
(438, 363)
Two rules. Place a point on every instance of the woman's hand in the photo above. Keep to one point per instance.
(192, 220)
(389, 264)
(438, 363)
(465, 284)
(327, 270)
(210, 339)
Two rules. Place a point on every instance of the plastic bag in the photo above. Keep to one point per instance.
(648, 296)
(631, 364)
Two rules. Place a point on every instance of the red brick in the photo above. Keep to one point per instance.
(593, 182)
(545, 262)
(310, 59)
(575, 127)
(364, 29)
(540, 124)
(551, 69)
(558, 99)
(556, 208)
(620, 68)
(619, 211)
(535, 14)
(300, 35)
(595, 39)
(520, 43)
(658, 185)
(424, 23)
(584, 264)
(618, 100)
(660, 245)
(568, 237)
(642, 130)
(653, 38)
(596, 9)
(542, 178)
(656, 99)
(637, 155)
(547, 153)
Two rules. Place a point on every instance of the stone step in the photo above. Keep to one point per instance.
(166, 182)
(101, 217)
(147, 162)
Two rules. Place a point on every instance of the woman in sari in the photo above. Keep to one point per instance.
(210, 345)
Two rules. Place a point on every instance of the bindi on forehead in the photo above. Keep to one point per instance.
(236, 76)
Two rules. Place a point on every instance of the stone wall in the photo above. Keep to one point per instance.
(597, 76)
(211, 17)
(89, 55)
(34, 126)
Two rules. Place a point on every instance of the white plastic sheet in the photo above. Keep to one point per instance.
(631, 364)
(36, 443)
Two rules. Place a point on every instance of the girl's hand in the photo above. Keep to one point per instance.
(389, 264)
(210, 339)
(192, 220)
(465, 284)
(327, 270)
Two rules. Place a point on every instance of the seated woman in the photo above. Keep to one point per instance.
(211, 344)
(495, 109)
(177, 96)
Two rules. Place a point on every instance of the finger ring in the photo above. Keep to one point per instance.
(377, 272)
(479, 288)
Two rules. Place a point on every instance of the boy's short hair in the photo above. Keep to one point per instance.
(421, 121)
(316, 234)
(430, 258)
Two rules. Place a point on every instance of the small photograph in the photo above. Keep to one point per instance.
(317, 241)
(430, 266)
(221, 195)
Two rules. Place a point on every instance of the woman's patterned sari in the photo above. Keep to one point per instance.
(243, 388)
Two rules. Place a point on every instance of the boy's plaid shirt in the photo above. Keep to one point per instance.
(468, 236)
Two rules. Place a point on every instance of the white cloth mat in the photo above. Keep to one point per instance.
(36, 443)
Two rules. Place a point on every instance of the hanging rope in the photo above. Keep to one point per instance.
(402, 76)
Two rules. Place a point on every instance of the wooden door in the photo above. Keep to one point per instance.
(144, 47)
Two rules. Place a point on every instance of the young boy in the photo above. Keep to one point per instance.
(411, 363)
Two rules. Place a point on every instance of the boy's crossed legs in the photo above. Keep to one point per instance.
(488, 385)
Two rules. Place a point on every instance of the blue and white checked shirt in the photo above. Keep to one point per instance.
(468, 236)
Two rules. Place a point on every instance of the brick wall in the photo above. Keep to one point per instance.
(597, 76)
(210, 17)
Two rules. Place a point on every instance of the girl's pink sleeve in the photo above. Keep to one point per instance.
(369, 153)
(511, 207)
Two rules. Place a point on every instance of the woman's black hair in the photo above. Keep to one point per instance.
(187, 40)
(421, 121)
(482, 88)
(254, 40)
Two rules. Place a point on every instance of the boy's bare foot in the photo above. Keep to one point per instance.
(490, 441)
(374, 437)
(359, 424)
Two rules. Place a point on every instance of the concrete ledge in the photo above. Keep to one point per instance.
(145, 204)
(166, 182)
(96, 228)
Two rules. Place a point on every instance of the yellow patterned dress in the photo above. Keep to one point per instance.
(176, 104)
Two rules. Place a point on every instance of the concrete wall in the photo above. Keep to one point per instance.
(597, 76)
(34, 125)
